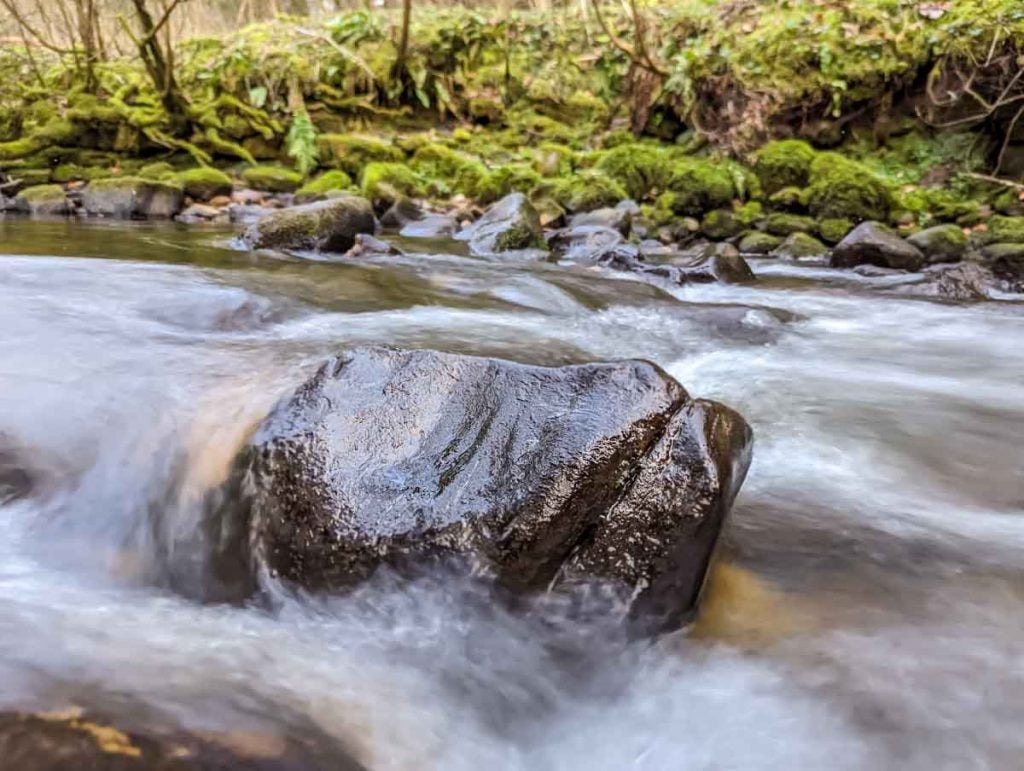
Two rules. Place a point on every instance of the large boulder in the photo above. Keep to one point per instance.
(132, 197)
(544, 477)
(510, 227)
(328, 226)
(42, 201)
(871, 243)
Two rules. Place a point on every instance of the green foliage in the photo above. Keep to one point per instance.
(159, 171)
(301, 143)
(699, 186)
(272, 179)
(784, 164)
(584, 191)
(457, 172)
(832, 231)
(643, 170)
(844, 189)
(1004, 230)
(202, 183)
(721, 223)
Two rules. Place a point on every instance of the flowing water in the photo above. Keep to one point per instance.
(867, 609)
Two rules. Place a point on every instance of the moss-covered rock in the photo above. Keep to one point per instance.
(1010, 203)
(941, 243)
(202, 183)
(42, 201)
(782, 164)
(585, 190)
(1003, 230)
(160, 171)
(756, 242)
(384, 183)
(699, 186)
(553, 160)
(510, 225)
(330, 226)
(32, 177)
(72, 172)
(333, 180)
(798, 246)
(833, 230)
(844, 189)
(353, 152)
(458, 173)
(721, 224)
(781, 224)
(272, 179)
(643, 170)
(791, 199)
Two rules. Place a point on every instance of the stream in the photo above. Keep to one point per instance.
(866, 610)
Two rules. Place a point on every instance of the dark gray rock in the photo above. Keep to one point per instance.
(511, 227)
(1007, 263)
(874, 244)
(132, 198)
(963, 282)
(366, 245)
(543, 477)
(618, 219)
(401, 213)
(328, 226)
(941, 243)
(42, 201)
(724, 268)
(799, 247)
(586, 244)
(431, 226)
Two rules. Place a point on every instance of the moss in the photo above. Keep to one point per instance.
(553, 160)
(642, 170)
(721, 224)
(841, 188)
(749, 213)
(779, 224)
(486, 110)
(947, 206)
(273, 179)
(519, 236)
(336, 179)
(32, 177)
(38, 194)
(504, 180)
(792, 199)
(782, 164)
(457, 172)
(699, 186)
(386, 182)
(203, 183)
(352, 152)
(757, 242)
(1010, 203)
(832, 231)
(69, 172)
(1004, 230)
(160, 170)
(585, 190)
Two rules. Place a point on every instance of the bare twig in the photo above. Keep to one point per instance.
(994, 180)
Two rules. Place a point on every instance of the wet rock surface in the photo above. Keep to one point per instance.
(511, 228)
(875, 244)
(128, 198)
(329, 226)
(540, 476)
(963, 282)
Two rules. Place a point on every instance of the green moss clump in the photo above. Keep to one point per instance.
(457, 172)
(841, 188)
(335, 179)
(791, 199)
(782, 164)
(749, 213)
(519, 236)
(1004, 230)
(161, 170)
(387, 182)
(642, 170)
(32, 177)
(798, 245)
(779, 224)
(1009, 203)
(585, 191)
(485, 111)
(273, 179)
(504, 180)
(203, 183)
(757, 242)
(70, 172)
(554, 160)
(352, 152)
(832, 231)
(38, 194)
(700, 186)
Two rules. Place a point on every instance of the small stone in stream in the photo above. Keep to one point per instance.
(132, 197)
(799, 247)
(711, 268)
(327, 226)
(962, 282)
(876, 271)
(401, 213)
(651, 248)
(549, 479)
(757, 243)
(941, 243)
(875, 244)
(221, 201)
(366, 245)
(431, 226)
(613, 218)
(586, 244)
(509, 227)
(247, 197)
(199, 212)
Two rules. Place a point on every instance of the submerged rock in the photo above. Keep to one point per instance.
(875, 244)
(510, 225)
(328, 226)
(544, 477)
(430, 226)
